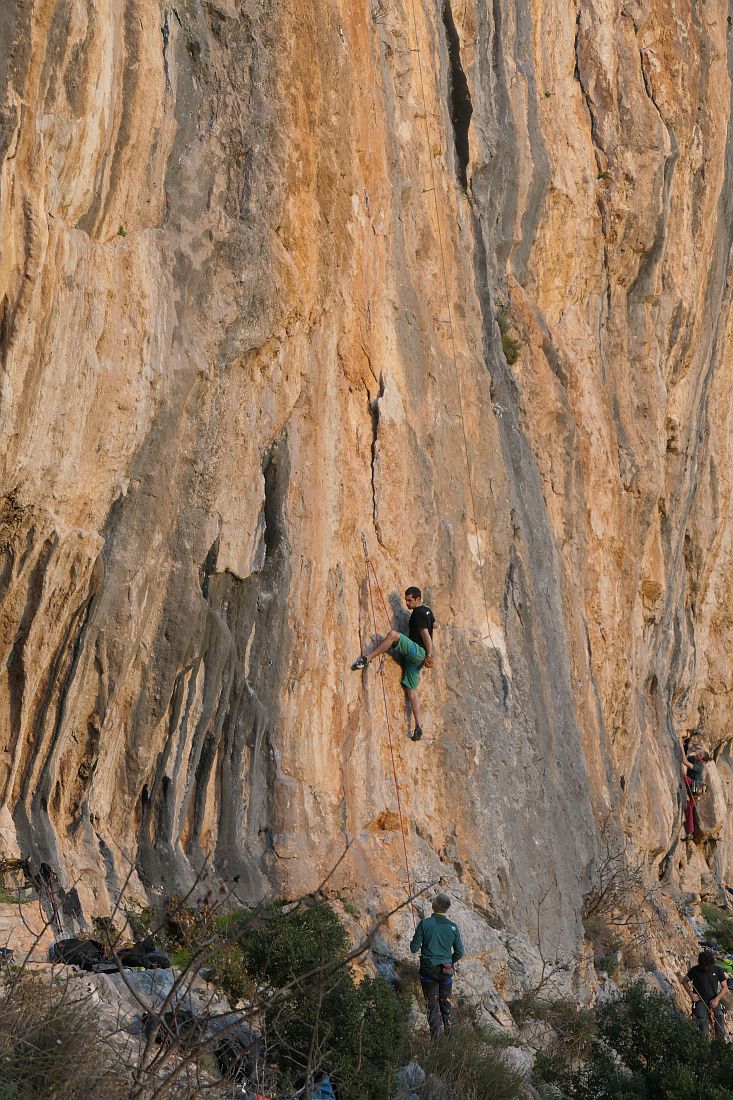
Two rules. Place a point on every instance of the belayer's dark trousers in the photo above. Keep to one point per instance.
(702, 1019)
(437, 996)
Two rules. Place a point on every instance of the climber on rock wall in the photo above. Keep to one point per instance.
(693, 766)
(411, 651)
(438, 939)
(701, 982)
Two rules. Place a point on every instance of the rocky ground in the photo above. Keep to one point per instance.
(509, 988)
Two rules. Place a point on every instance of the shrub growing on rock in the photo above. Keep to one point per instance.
(573, 1025)
(721, 924)
(204, 938)
(318, 1015)
(469, 1067)
(645, 1050)
(509, 344)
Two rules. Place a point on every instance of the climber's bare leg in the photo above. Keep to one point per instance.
(414, 704)
(383, 646)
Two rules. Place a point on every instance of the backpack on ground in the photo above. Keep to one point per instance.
(86, 954)
(144, 953)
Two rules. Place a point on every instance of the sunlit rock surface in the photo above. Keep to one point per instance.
(252, 259)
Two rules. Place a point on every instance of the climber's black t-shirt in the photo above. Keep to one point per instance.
(705, 982)
(422, 618)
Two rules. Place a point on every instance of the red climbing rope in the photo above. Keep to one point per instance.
(369, 567)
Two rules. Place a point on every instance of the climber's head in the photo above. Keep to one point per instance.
(701, 756)
(706, 960)
(413, 597)
(441, 903)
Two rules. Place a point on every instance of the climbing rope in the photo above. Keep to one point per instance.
(472, 517)
(370, 568)
(449, 323)
(370, 565)
(454, 357)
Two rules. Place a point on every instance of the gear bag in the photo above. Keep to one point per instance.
(86, 954)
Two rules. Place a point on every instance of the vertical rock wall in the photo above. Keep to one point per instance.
(251, 267)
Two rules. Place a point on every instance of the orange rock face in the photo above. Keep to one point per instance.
(275, 285)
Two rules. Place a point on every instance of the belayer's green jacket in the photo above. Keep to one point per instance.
(438, 940)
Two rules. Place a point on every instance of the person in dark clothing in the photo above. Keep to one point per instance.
(702, 982)
(412, 650)
(438, 940)
(693, 766)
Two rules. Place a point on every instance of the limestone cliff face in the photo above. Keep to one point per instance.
(251, 265)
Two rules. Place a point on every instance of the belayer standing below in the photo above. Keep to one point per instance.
(411, 651)
(438, 940)
(701, 982)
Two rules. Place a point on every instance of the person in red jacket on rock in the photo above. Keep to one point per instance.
(692, 776)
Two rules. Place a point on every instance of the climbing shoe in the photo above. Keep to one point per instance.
(359, 663)
(416, 733)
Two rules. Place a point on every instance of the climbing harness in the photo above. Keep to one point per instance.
(370, 569)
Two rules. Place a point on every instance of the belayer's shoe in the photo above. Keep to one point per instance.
(359, 663)
(416, 733)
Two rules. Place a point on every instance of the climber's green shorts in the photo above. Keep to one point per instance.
(411, 655)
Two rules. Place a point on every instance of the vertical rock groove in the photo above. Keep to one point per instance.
(461, 107)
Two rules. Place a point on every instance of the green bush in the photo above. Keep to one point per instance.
(380, 1044)
(281, 946)
(468, 1067)
(357, 1033)
(142, 919)
(510, 345)
(51, 1047)
(721, 924)
(408, 979)
(607, 945)
(645, 1049)
(601, 934)
(15, 895)
(206, 939)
